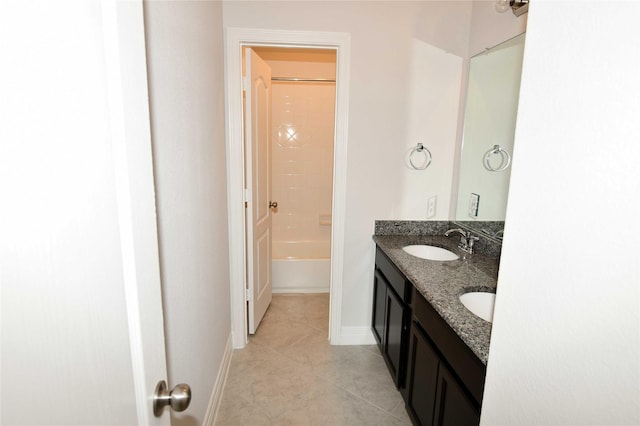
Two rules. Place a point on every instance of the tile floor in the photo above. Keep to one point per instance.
(288, 374)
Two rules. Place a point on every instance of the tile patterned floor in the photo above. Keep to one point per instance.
(289, 374)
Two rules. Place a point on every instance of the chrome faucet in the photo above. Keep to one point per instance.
(467, 240)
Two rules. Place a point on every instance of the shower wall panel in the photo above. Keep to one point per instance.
(302, 160)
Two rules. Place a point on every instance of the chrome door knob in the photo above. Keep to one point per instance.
(273, 204)
(178, 399)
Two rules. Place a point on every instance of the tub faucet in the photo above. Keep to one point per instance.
(467, 240)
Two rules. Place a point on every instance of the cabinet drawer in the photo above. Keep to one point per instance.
(395, 278)
(463, 362)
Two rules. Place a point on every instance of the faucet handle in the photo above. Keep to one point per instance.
(466, 239)
(471, 239)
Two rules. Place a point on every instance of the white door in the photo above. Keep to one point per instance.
(82, 326)
(258, 186)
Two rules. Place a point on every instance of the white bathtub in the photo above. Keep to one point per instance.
(300, 266)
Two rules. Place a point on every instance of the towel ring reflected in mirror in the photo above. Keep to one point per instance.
(505, 159)
(416, 151)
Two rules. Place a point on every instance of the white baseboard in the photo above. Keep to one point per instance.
(354, 336)
(283, 290)
(218, 387)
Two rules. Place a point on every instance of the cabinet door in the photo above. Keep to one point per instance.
(454, 406)
(379, 301)
(422, 377)
(394, 338)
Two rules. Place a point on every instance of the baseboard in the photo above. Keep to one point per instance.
(282, 290)
(354, 336)
(218, 387)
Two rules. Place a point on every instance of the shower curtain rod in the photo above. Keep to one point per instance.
(305, 80)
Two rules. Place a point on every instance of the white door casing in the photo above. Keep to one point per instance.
(235, 39)
(258, 186)
(82, 325)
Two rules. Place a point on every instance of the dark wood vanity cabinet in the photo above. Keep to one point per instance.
(445, 380)
(391, 315)
(434, 395)
(440, 378)
(420, 393)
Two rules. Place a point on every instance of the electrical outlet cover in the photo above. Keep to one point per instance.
(474, 202)
(431, 207)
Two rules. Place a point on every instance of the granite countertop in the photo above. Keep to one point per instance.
(441, 283)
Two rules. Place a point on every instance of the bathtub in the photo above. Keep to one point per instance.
(300, 266)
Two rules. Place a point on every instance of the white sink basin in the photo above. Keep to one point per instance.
(480, 304)
(430, 252)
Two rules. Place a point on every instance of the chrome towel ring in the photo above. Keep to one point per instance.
(505, 159)
(427, 157)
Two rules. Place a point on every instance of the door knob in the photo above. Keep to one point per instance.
(273, 204)
(178, 399)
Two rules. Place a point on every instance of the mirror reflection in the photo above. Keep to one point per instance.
(489, 128)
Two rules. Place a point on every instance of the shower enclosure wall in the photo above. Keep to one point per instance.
(303, 116)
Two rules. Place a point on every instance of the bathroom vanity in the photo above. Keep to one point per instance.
(436, 350)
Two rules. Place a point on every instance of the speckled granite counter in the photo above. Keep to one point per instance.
(441, 283)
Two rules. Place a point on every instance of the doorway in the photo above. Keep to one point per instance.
(236, 40)
(294, 179)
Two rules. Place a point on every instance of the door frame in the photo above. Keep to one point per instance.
(235, 39)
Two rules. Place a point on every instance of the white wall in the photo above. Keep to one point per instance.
(565, 346)
(185, 51)
(406, 68)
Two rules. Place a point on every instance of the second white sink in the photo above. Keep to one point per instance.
(430, 252)
(480, 304)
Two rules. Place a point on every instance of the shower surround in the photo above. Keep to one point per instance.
(303, 116)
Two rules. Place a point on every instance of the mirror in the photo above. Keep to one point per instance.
(487, 143)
